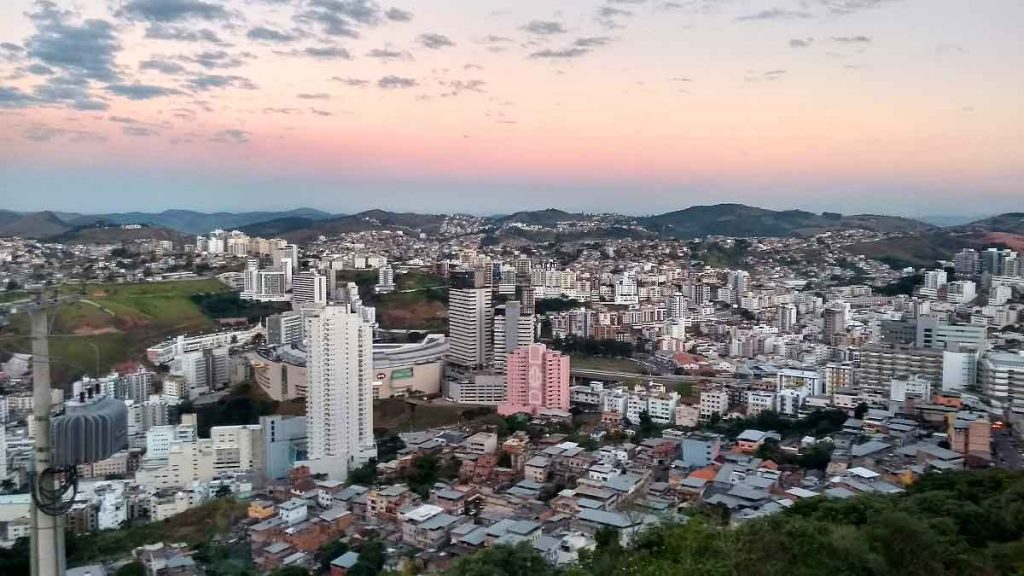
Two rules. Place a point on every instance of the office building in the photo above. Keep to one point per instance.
(470, 321)
(512, 330)
(309, 287)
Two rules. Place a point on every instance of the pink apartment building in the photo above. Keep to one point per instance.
(537, 381)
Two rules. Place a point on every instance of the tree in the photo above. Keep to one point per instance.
(132, 569)
(223, 491)
(503, 560)
(328, 552)
(365, 474)
(290, 571)
(860, 410)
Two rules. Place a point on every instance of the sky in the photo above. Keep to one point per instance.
(912, 107)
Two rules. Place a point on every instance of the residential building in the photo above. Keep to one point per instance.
(537, 381)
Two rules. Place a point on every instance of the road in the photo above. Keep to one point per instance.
(1006, 451)
(609, 374)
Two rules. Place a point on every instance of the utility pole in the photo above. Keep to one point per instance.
(47, 531)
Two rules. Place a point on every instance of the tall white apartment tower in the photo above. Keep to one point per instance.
(339, 400)
(512, 330)
(470, 320)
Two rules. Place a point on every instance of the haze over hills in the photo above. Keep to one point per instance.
(918, 241)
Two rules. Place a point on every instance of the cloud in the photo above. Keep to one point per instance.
(172, 10)
(231, 136)
(396, 82)
(608, 16)
(843, 7)
(214, 59)
(319, 112)
(11, 47)
(341, 17)
(800, 42)
(85, 49)
(544, 27)
(561, 54)
(314, 96)
(141, 91)
(162, 66)
(69, 90)
(203, 82)
(39, 70)
(592, 41)
(44, 133)
(398, 15)
(14, 98)
(456, 87)
(271, 110)
(354, 82)
(766, 76)
(181, 34)
(264, 34)
(435, 41)
(852, 39)
(325, 53)
(387, 54)
(139, 131)
(775, 14)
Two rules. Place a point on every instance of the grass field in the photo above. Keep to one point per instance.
(115, 323)
(611, 364)
(394, 415)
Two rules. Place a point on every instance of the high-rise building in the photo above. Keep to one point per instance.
(339, 401)
(537, 381)
(385, 280)
(835, 316)
(966, 263)
(1002, 379)
(309, 287)
(529, 300)
(787, 318)
(470, 320)
(512, 329)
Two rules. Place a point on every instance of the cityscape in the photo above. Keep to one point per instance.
(575, 288)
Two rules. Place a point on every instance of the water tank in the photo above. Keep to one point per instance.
(93, 427)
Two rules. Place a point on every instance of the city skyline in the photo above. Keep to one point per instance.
(630, 106)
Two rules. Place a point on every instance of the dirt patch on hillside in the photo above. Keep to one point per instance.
(419, 316)
(88, 330)
(1014, 241)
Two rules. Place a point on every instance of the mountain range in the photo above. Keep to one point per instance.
(737, 220)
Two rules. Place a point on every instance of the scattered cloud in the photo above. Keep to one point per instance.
(608, 16)
(231, 136)
(265, 34)
(157, 31)
(139, 131)
(398, 15)
(592, 41)
(435, 41)
(163, 66)
(216, 59)
(563, 53)
(314, 96)
(319, 112)
(544, 27)
(203, 82)
(45, 133)
(775, 14)
(341, 17)
(800, 42)
(324, 53)
(456, 87)
(766, 76)
(141, 91)
(392, 82)
(843, 7)
(84, 50)
(852, 39)
(354, 82)
(172, 10)
(14, 98)
(388, 54)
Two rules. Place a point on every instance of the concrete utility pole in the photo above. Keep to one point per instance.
(47, 531)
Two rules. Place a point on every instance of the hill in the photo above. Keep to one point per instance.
(546, 217)
(739, 220)
(192, 222)
(1009, 223)
(297, 230)
(944, 525)
(32, 224)
(103, 234)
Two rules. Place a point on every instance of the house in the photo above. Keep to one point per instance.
(750, 440)
(342, 564)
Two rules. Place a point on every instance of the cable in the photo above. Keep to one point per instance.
(50, 489)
